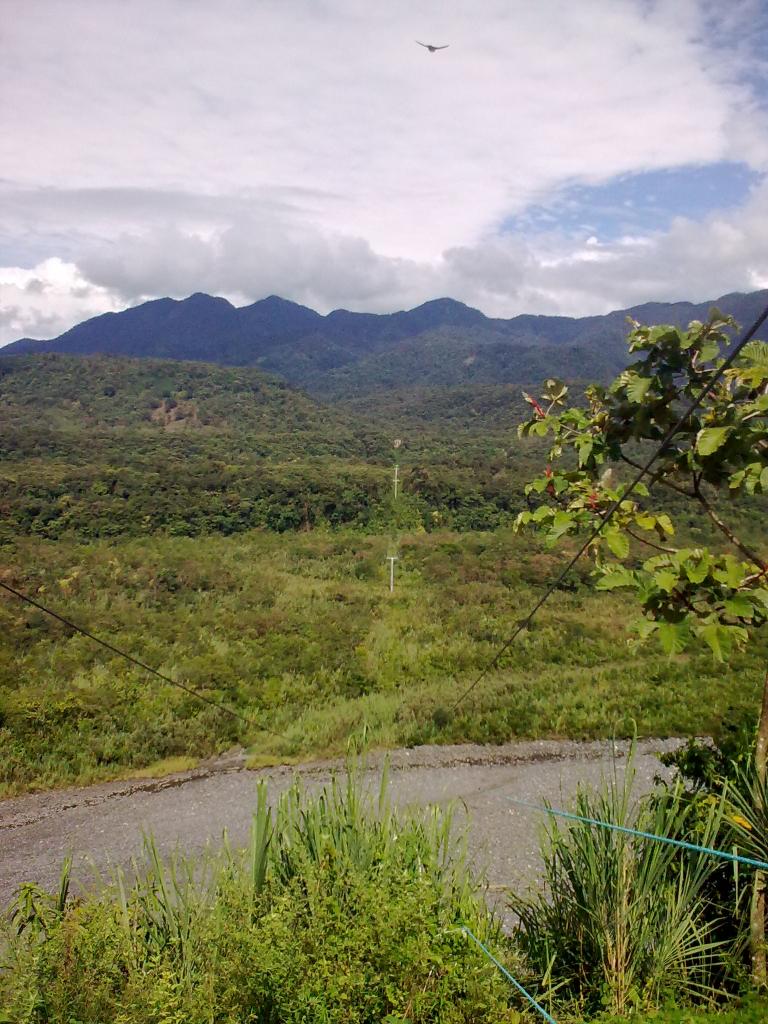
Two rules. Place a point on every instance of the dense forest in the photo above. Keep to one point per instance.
(128, 464)
(97, 447)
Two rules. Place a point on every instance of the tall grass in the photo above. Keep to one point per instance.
(624, 922)
(305, 639)
(340, 910)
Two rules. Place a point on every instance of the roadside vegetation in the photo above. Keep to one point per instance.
(339, 911)
(705, 418)
(345, 911)
(300, 632)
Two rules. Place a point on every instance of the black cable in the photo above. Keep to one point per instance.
(135, 661)
(610, 512)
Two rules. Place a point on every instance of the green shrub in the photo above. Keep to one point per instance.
(340, 911)
(623, 923)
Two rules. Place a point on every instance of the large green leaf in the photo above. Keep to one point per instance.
(755, 354)
(644, 628)
(739, 606)
(617, 541)
(664, 525)
(561, 524)
(614, 578)
(666, 580)
(731, 572)
(697, 569)
(665, 333)
(708, 350)
(645, 521)
(674, 636)
(637, 387)
(709, 439)
(585, 450)
(713, 634)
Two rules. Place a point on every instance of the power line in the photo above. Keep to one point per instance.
(606, 517)
(734, 858)
(547, 1016)
(135, 661)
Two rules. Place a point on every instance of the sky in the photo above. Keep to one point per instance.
(559, 157)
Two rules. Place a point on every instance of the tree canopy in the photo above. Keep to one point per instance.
(687, 594)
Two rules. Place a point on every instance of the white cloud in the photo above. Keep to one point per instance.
(45, 300)
(312, 149)
(502, 276)
(692, 260)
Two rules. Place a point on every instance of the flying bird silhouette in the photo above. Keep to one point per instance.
(431, 48)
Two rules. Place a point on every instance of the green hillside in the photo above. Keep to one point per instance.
(99, 393)
(452, 357)
(97, 446)
(346, 354)
(491, 410)
(300, 632)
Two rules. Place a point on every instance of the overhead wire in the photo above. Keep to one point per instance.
(606, 517)
(135, 661)
(734, 858)
(523, 991)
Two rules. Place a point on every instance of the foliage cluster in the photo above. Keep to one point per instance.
(705, 417)
(339, 911)
(342, 909)
(721, 769)
(623, 922)
(687, 594)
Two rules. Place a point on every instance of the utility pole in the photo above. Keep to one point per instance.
(396, 472)
(391, 559)
(396, 444)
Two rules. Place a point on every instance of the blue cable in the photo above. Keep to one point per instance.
(547, 1017)
(734, 857)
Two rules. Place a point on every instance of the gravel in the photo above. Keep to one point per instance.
(101, 826)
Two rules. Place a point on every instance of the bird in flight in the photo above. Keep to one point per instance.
(431, 48)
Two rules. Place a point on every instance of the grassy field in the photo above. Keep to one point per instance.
(749, 1011)
(300, 633)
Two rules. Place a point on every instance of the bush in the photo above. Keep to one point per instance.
(340, 911)
(623, 923)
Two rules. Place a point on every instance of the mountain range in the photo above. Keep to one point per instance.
(346, 355)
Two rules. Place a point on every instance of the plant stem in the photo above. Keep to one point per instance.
(658, 478)
(724, 528)
(650, 543)
(758, 907)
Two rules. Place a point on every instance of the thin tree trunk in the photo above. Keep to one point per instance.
(758, 908)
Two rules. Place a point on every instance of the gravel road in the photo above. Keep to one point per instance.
(102, 825)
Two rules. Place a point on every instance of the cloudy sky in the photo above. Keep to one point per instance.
(558, 157)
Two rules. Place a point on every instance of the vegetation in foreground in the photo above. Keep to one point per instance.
(338, 912)
(342, 910)
(710, 420)
(301, 633)
(624, 927)
(621, 922)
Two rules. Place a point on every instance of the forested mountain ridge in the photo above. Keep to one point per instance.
(345, 354)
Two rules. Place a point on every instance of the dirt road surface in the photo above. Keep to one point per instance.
(102, 826)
